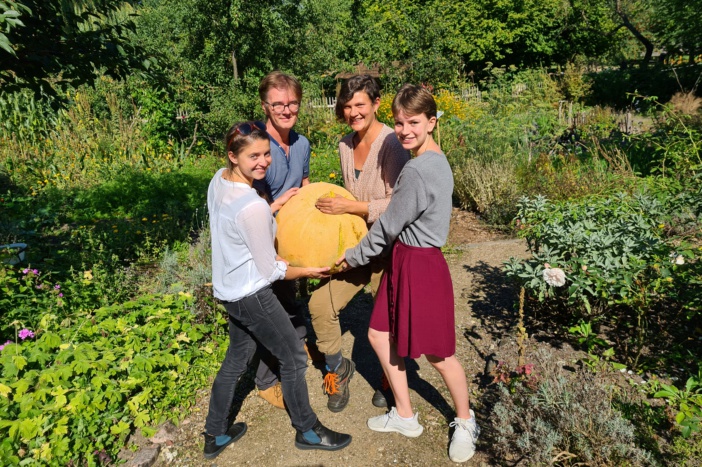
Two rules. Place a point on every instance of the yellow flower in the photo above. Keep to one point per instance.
(144, 219)
(138, 232)
(115, 231)
(88, 275)
(332, 175)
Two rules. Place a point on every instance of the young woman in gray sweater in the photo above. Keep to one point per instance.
(414, 309)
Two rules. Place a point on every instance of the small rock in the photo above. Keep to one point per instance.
(138, 439)
(170, 454)
(145, 457)
(125, 454)
(166, 434)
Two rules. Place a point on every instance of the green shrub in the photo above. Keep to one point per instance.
(614, 250)
(75, 390)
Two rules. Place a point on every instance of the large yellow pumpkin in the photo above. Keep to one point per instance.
(308, 238)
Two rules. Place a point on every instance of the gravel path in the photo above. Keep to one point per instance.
(484, 313)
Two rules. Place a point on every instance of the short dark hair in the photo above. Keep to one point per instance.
(414, 100)
(236, 142)
(279, 80)
(358, 83)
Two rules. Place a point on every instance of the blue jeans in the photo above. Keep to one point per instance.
(261, 320)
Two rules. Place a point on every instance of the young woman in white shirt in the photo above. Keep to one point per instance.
(244, 265)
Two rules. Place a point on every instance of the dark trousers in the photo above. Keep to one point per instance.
(260, 321)
(267, 371)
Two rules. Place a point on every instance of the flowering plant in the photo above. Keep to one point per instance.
(608, 251)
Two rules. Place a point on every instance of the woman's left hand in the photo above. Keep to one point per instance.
(336, 205)
(341, 264)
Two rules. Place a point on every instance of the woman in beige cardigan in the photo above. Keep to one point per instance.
(371, 160)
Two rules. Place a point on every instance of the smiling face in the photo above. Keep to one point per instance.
(414, 131)
(286, 118)
(252, 161)
(359, 112)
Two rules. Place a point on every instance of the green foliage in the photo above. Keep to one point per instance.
(26, 290)
(84, 383)
(67, 42)
(613, 250)
(10, 17)
(586, 337)
(687, 401)
(673, 147)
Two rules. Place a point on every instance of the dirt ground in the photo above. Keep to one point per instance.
(484, 325)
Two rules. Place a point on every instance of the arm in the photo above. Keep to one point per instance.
(392, 157)
(284, 198)
(305, 181)
(294, 272)
(341, 205)
(256, 228)
(406, 205)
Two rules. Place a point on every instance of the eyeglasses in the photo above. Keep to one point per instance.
(279, 107)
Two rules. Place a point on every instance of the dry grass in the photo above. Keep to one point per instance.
(486, 185)
(686, 103)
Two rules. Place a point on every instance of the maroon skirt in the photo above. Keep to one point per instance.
(415, 303)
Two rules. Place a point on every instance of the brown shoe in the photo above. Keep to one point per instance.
(313, 352)
(273, 395)
(336, 385)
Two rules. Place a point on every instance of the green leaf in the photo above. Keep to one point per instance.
(19, 361)
(120, 428)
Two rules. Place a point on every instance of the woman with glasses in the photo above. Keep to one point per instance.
(371, 160)
(244, 265)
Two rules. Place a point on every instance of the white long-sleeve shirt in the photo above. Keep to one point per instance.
(243, 234)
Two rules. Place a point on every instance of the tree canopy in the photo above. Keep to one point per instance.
(48, 43)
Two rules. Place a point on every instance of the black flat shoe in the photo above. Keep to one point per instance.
(329, 440)
(379, 399)
(212, 449)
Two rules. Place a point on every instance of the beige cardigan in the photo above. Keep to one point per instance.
(380, 171)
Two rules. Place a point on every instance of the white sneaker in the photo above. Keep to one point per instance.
(462, 445)
(391, 421)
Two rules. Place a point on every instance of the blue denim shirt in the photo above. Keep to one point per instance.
(285, 173)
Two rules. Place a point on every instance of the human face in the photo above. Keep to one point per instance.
(285, 119)
(359, 112)
(252, 162)
(414, 131)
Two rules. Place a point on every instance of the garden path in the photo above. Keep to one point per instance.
(484, 318)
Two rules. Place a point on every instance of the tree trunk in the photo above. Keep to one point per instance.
(640, 37)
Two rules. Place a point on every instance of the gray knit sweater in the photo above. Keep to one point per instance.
(419, 212)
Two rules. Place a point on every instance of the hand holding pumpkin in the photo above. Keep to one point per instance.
(282, 199)
(317, 273)
(341, 265)
(335, 205)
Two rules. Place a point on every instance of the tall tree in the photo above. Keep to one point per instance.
(68, 42)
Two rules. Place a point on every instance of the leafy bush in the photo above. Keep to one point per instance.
(74, 390)
(614, 250)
